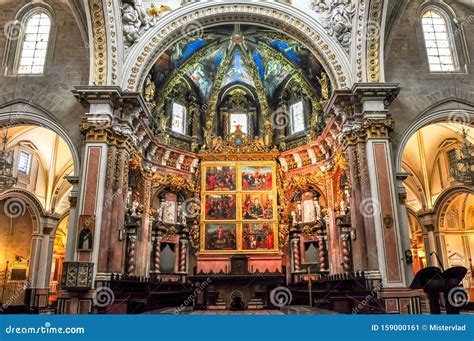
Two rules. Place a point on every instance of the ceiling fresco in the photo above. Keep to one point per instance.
(272, 55)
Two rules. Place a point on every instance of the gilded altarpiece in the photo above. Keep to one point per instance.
(239, 207)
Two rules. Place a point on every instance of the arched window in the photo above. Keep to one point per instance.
(438, 42)
(35, 44)
(297, 117)
(178, 118)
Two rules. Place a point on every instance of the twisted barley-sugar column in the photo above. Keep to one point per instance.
(296, 254)
(182, 262)
(157, 259)
(346, 255)
(131, 256)
(322, 254)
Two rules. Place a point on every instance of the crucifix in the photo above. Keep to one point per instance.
(310, 283)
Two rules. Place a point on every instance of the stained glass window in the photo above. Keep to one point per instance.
(438, 44)
(35, 44)
(297, 117)
(178, 118)
(238, 120)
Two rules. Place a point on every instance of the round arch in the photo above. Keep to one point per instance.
(25, 200)
(21, 112)
(200, 15)
(455, 111)
(445, 198)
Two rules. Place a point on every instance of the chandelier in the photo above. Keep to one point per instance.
(7, 180)
(463, 170)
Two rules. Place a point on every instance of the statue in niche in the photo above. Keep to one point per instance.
(293, 218)
(182, 220)
(299, 215)
(159, 211)
(133, 215)
(267, 132)
(149, 89)
(317, 208)
(208, 136)
(163, 122)
(324, 82)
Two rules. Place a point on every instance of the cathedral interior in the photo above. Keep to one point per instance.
(195, 157)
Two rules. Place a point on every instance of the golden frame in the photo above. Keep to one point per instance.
(239, 193)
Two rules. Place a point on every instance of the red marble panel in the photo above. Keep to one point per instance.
(92, 180)
(385, 196)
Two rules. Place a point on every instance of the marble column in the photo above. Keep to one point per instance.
(381, 206)
(144, 234)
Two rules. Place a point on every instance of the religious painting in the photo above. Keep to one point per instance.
(220, 207)
(220, 179)
(258, 236)
(169, 208)
(86, 230)
(220, 237)
(257, 206)
(256, 178)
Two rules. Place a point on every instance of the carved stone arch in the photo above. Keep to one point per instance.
(21, 112)
(444, 199)
(201, 15)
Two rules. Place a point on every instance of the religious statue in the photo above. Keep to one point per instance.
(208, 136)
(159, 211)
(182, 220)
(317, 208)
(323, 81)
(149, 89)
(299, 213)
(293, 218)
(163, 122)
(267, 132)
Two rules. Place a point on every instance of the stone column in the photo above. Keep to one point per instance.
(382, 204)
(72, 226)
(404, 224)
(144, 233)
(434, 254)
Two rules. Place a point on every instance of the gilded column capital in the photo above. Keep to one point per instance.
(378, 128)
